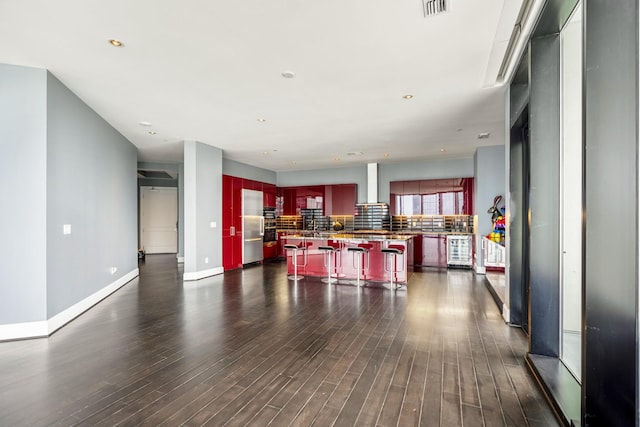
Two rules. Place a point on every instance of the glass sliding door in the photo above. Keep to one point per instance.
(571, 172)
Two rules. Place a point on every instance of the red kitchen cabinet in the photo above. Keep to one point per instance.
(231, 222)
(270, 250)
(227, 204)
(232, 217)
(343, 199)
(269, 195)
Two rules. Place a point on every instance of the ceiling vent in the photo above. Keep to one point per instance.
(154, 174)
(435, 7)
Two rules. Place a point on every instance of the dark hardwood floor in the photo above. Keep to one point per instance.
(251, 348)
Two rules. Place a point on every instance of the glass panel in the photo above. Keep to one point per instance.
(448, 204)
(430, 204)
(571, 193)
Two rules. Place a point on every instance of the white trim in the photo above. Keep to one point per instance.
(16, 331)
(180, 259)
(64, 317)
(202, 274)
(43, 328)
(505, 313)
(479, 269)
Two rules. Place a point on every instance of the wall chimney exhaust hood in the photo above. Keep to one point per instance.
(372, 183)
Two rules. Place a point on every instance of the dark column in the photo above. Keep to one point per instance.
(518, 229)
(544, 198)
(610, 361)
(518, 234)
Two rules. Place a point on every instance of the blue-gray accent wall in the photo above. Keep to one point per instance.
(489, 166)
(202, 205)
(23, 173)
(74, 169)
(91, 185)
(242, 170)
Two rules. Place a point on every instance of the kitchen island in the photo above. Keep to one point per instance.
(312, 260)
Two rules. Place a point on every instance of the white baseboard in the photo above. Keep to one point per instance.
(180, 259)
(479, 269)
(61, 319)
(15, 331)
(202, 274)
(505, 313)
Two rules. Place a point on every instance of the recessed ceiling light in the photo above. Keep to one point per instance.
(484, 135)
(408, 96)
(288, 74)
(266, 153)
(386, 154)
(116, 43)
(355, 153)
(262, 120)
(442, 150)
(337, 159)
(145, 124)
(152, 132)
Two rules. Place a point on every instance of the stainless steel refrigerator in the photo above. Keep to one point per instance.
(252, 226)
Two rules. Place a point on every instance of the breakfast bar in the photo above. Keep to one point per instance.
(375, 263)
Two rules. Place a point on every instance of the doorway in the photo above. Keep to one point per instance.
(159, 220)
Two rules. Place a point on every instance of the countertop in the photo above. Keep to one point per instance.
(348, 236)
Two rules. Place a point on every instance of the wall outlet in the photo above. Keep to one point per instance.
(66, 229)
(206, 260)
(213, 224)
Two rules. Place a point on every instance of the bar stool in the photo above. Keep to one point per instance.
(294, 255)
(358, 253)
(328, 253)
(392, 254)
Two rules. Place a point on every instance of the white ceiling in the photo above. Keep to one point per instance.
(206, 70)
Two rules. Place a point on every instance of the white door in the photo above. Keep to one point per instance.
(159, 219)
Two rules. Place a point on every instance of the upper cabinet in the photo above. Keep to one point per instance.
(343, 199)
(337, 199)
(452, 196)
(269, 195)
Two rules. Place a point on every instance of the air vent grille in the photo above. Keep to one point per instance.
(153, 174)
(435, 7)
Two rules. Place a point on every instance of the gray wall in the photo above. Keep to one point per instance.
(23, 171)
(489, 182)
(351, 175)
(75, 169)
(91, 185)
(241, 170)
(202, 205)
(408, 171)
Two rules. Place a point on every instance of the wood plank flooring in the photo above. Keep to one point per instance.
(251, 348)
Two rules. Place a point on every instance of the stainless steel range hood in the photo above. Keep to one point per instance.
(372, 183)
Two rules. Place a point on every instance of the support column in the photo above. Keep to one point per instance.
(202, 210)
(610, 357)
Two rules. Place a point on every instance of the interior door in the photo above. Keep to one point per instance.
(159, 219)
